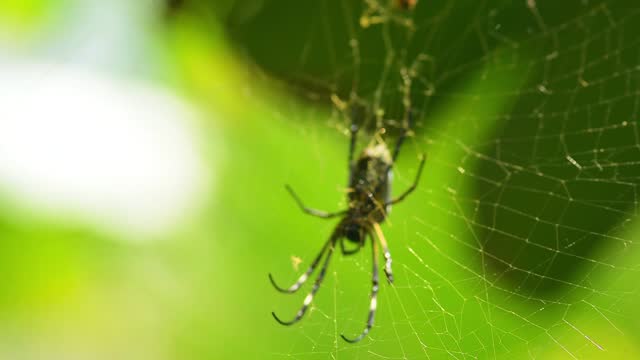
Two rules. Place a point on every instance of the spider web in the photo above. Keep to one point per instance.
(520, 238)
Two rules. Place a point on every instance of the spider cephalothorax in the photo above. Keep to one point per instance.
(369, 203)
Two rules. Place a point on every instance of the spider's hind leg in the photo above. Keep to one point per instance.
(354, 136)
(413, 186)
(406, 129)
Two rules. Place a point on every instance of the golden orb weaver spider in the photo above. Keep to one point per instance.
(369, 203)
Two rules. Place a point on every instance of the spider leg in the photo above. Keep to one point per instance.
(412, 187)
(303, 278)
(374, 296)
(314, 290)
(314, 212)
(385, 251)
(402, 138)
(350, 252)
(352, 145)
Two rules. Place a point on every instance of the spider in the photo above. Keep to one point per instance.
(406, 4)
(369, 203)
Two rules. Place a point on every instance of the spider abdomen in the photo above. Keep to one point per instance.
(370, 184)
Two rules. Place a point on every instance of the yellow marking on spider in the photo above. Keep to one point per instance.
(380, 235)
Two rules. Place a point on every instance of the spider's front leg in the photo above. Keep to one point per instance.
(303, 278)
(316, 286)
(373, 298)
(385, 250)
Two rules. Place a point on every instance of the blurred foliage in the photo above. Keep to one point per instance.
(497, 195)
(22, 13)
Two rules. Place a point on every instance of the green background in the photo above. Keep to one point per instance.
(506, 250)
